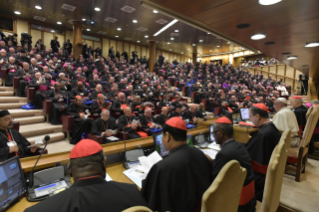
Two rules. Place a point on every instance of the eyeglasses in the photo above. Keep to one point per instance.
(8, 119)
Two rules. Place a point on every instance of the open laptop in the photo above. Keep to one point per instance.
(159, 147)
(12, 183)
(244, 115)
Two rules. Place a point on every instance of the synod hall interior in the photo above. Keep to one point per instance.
(158, 105)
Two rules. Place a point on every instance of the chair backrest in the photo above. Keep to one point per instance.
(138, 209)
(223, 195)
(310, 127)
(309, 112)
(275, 174)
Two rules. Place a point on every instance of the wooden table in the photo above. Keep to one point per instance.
(114, 171)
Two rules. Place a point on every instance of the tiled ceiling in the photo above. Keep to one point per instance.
(124, 11)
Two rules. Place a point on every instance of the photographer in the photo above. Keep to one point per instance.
(67, 47)
(39, 43)
(55, 45)
(2, 36)
(26, 39)
(13, 38)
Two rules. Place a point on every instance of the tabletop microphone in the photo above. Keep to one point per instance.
(46, 140)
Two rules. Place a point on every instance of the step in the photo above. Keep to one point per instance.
(4, 88)
(11, 99)
(54, 137)
(38, 129)
(17, 113)
(6, 93)
(30, 120)
(59, 146)
(11, 105)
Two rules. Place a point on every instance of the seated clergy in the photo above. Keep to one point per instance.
(285, 119)
(12, 143)
(120, 104)
(59, 106)
(98, 90)
(233, 150)
(82, 122)
(79, 91)
(300, 111)
(42, 86)
(147, 120)
(93, 83)
(261, 145)
(177, 112)
(163, 117)
(126, 123)
(192, 114)
(90, 191)
(99, 104)
(25, 79)
(185, 173)
(105, 126)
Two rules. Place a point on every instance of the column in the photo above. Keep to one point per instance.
(194, 58)
(152, 56)
(77, 39)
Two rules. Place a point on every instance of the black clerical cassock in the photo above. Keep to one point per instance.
(178, 182)
(260, 148)
(126, 124)
(80, 125)
(99, 126)
(59, 106)
(300, 113)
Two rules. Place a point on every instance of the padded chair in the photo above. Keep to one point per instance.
(47, 108)
(30, 93)
(138, 209)
(97, 138)
(116, 114)
(16, 81)
(184, 91)
(3, 75)
(67, 124)
(193, 95)
(206, 104)
(16, 125)
(217, 111)
(222, 195)
(275, 174)
(297, 156)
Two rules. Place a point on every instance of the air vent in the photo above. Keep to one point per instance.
(128, 9)
(142, 29)
(174, 34)
(161, 21)
(101, 32)
(128, 39)
(39, 18)
(68, 7)
(109, 19)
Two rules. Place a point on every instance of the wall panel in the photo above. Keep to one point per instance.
(47, 37)
(143, 53)
(132, 48)
(89, 43)
(36, 35)
(272, 69)
(119, 46)
(113, 43)
(22, 26)
(106, 46)
(290, 72)
(127, 48)
(97, 44)
(281, 70)
(60, 39)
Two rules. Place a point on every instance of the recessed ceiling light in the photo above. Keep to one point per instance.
(200, 40)
(59, 22)
(188, 49)
(312, 44)
(17, 12)
(172, 38)
(83, 19)
(92, 22)
(52, 30)
(138, 41)
(116, 36)
(170, 50)
(228, 42)
(218, 46)
(168, 43)
(292, 57)
(208, 33)
(258, 36)
(38, 7)
(146, 36)
(176, 30)
(134, 21)
(155, 11)
(268, 2)
(97, 9)
(88, 30)
(119, 29)
(194, 44)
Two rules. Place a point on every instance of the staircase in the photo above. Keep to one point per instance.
(32, 122)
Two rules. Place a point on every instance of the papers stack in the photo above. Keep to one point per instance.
(214, 146)
(138, 173)
(38, 142)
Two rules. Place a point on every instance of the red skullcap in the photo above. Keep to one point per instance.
(261, 106)
(176, 122)
(80, 83)
(297, 97)
(84, 148)
(78, 96)
(99, 95)
(223, 120)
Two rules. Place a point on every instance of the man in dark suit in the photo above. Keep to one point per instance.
(55, 44)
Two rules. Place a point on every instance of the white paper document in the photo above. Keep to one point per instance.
(135, 122)
(108, 178)
(136, 174)
(38, 142)
(210, 152)
(112, 138)
(214, 146)
(149, 161)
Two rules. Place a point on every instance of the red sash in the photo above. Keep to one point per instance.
(150, 124)
(259, 168)
(128, 125)
(229, 109)
(10, 139)
(247, 193)
(123, 106)
(142, 134)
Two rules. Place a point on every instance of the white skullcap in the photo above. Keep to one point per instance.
(283, 100)
(61, 74)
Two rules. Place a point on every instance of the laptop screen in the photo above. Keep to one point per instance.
(211, 136)
(244, 113)
(12, 184)
(159, 147)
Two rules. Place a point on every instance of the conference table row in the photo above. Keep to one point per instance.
(115, 171)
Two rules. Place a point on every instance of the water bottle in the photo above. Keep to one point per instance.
(190, 141)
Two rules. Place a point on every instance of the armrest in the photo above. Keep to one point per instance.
(116, 114)
(47, 106)
(68, 122)
(39, 150)
(30, 93)
(97, 138)
(16, 125)
(147, 131)
(95, 116)
(16, 81)
(3, 73)
(122, 135)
